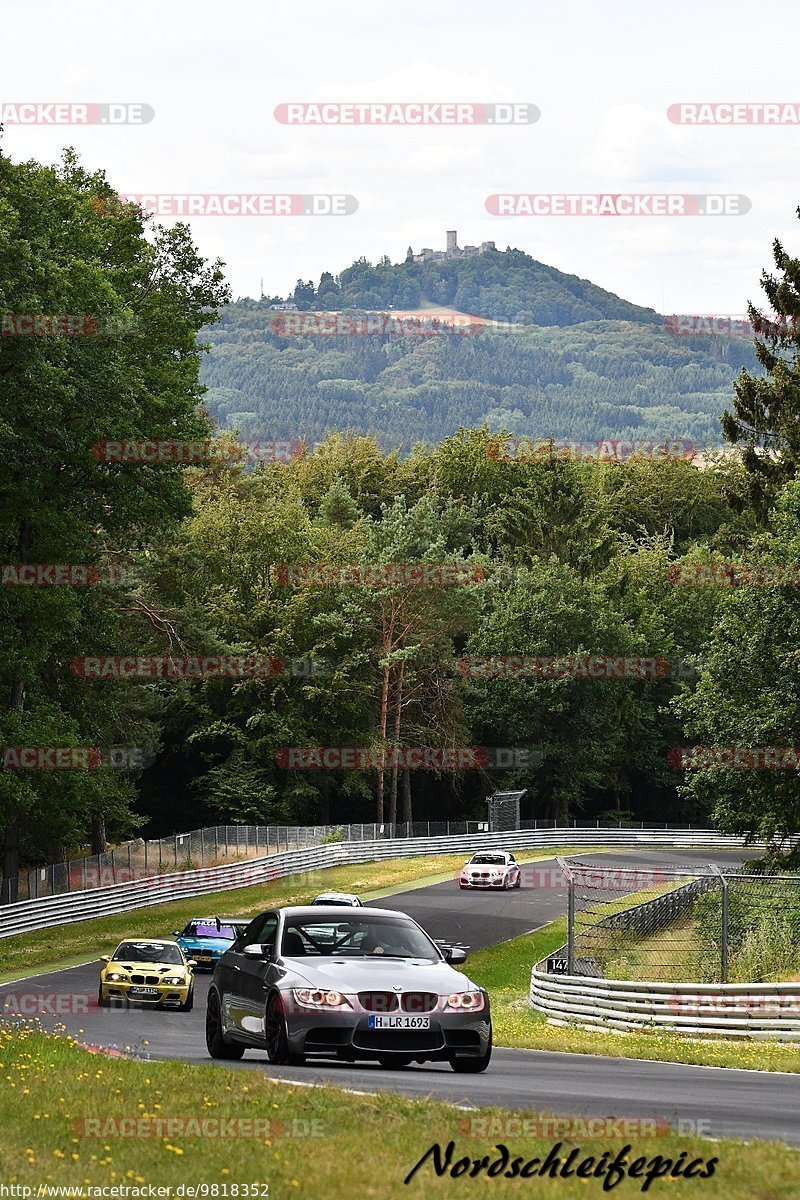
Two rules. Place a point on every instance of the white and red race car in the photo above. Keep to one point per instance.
(490, 869)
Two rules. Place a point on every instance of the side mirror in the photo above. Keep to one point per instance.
(455, 955)
(105, 958)
(256, 950)
(192, 963)
(176, 933)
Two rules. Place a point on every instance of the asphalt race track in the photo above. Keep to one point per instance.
(744, 1104)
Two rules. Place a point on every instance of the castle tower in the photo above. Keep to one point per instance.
(452, 239)
(409, 255)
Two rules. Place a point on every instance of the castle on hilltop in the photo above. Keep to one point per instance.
(453, 250)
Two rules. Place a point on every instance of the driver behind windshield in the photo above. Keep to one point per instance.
(358, 939)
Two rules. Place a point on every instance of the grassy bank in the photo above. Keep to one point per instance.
(505, 971)
(315, 1143)
(66, 944)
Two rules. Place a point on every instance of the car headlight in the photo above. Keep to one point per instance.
(315, 998)
(117, 977)
(174, 979)
(466, 1001)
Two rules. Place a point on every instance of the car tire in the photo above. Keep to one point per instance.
(217, 1044)
(188, 1003)
(395, 1062)
(101, 1001)
(472, 1066)
(518, 884)
(276, 1036)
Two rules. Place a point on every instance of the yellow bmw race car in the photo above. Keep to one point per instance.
(147, 972)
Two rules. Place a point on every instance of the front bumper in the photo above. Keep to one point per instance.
(206, 959)
(347, 1035)
(152, 994)
(482, 883)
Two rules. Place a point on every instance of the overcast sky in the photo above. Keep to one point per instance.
(603, 76)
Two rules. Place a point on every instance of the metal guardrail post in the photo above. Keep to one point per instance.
(724, 930)
(565, 867)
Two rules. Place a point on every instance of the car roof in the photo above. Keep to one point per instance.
(222, 920)
(148, 941)
(344, 895)
(335, 910)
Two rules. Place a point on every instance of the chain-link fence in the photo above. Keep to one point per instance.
(692, 925)
(220, 844)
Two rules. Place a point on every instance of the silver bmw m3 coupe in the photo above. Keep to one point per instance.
(350, 984)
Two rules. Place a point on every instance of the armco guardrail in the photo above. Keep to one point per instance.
(27, 915)
(731, 1010)
(660, 912)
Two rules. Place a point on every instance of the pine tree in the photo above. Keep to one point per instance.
(765, 419)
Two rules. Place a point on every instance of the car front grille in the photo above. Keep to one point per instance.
(418, 1002)
(409, 1002)
(151, 979)
(378, 1001)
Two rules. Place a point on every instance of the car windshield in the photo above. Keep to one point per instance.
(359, 937)
(143, 952)
(488, 860)
(208, 929)
(340, 903)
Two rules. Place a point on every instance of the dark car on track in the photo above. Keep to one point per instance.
(366, 983)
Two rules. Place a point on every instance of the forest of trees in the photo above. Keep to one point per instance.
(575, 361)
(567, 558)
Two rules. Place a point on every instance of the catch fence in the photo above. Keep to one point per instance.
(693, 925)
(221, 844)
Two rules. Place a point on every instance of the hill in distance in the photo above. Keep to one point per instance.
(580, 362)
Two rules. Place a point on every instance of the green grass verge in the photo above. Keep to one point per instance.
(505, 971)
(67, 945)
(362, 1145)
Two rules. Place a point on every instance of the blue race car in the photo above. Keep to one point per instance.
(205, 939)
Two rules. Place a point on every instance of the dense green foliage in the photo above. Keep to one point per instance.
(765, 418)
(62, 253)
(578, 362)
(508, 286)
(567, 572)
(567, 558)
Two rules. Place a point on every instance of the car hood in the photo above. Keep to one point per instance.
(201, 944)
(150, 968)
(378, 973)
